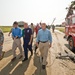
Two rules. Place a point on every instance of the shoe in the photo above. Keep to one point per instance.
(20, 56)
(42, 59)
(35, 48)
(24, 59)
(0, 57)
(13, 58)
(3, 54)
(43, 66)
(31, 53)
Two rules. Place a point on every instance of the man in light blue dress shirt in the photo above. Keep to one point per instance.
(16, 34)
(44, 38)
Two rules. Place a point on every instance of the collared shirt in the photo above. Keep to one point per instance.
(1, 36)
(44, 35)
(16, 32)
(26, 33)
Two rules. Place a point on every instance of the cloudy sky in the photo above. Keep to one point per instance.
(33, 11)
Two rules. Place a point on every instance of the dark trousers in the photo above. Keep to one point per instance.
(26, 48)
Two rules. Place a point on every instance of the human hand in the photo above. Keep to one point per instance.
(50, 45)
(8, 34)
(1, 44)
(37, 44)
(29, 43)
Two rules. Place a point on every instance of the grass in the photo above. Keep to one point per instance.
(62, 29)
(6, 28)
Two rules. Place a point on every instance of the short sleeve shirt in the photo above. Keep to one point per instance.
(26, 33)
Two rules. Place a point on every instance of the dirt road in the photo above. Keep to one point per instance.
(33, 65)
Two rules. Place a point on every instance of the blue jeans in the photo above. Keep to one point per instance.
(26, 48)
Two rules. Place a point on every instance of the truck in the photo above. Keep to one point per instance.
(70, 31)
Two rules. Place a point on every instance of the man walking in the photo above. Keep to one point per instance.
(53, 28)
(27, 41)
(32, 27)
(16, 34)
(1, 44)
(45, 41)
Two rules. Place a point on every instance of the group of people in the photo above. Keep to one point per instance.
(43, 41)
(27, 35)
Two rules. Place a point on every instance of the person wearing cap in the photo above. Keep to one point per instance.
(1, 44)
(44, 38)
(27, 41)
(16, 34)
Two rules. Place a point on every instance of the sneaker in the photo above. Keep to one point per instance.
(24, 59)
(43, 66)
(13, 58)
(1, 56)
(35, 48)
(42, 59)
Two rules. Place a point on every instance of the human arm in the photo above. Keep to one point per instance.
(31, 36)
(20, 34)
(50, 39)
(37, 39)
(10, 32)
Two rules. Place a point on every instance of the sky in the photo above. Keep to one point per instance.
(33, 11)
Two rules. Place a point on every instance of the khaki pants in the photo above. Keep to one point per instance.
(16, 43)
(43, 47)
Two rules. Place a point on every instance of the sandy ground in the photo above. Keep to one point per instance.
(33, 65)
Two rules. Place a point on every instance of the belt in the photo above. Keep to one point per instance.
(17, 38)
(43, 41)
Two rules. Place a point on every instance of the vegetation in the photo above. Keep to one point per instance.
(6, 28)
(71, 8)
(62, 29)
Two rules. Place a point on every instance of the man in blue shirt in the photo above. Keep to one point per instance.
(16, 34)
(45, 41)
(27, 41)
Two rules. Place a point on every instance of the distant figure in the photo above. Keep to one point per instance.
(53, 28)
(44, 38)
(48, 26)
(1, 44)
(37, 28)
(16, 34)
(32, 27)
(27, 41)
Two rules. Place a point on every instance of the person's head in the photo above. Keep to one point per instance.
(15, 24)
(37, 24)
(32, 24)
(43, 25)
(25, 25)
(40, 23)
